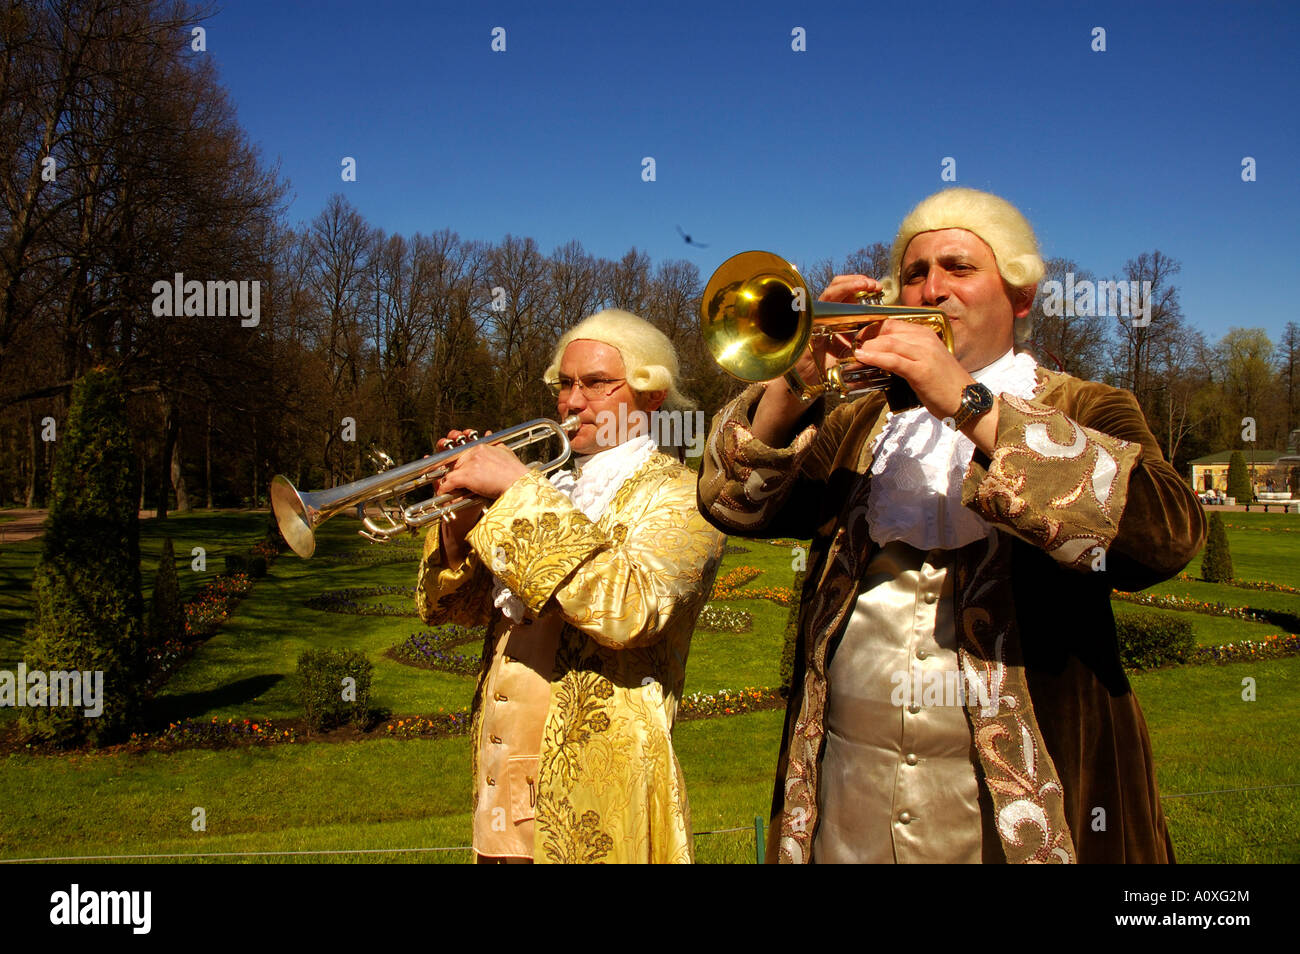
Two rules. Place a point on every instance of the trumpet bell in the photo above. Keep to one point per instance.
(752, 316)
(295, 517)
(758, 315)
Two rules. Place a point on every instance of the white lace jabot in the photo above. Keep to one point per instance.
(919, 466)
(601, 476)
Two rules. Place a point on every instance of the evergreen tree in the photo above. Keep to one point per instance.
(1216, 563)
(166, 612)
(87, 582)
(1238, 478)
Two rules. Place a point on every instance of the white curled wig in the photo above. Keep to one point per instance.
(649, 359)
(993, 219)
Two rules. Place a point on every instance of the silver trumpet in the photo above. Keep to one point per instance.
(299, 514)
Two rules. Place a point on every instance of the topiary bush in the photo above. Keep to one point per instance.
(166, 611)
(87, 582)
(1216, 562)
(1239, 478)
(1148, 642)
(327, 697)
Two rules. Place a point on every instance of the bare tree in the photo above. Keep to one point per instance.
(1140, 341)
(1074, 343)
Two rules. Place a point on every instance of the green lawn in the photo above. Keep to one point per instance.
(385, 793)
(1207, 739)
(1264, 547)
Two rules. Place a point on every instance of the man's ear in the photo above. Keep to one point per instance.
(1023, 300)
(652, 400)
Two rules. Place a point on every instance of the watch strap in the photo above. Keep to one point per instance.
(971, 405)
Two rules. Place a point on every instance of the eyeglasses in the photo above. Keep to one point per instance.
(591, 388)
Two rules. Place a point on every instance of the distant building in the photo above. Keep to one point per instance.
(1211, 471)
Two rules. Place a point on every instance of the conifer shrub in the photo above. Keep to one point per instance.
(1239, 478)
(87, 581)
(1216, 562)
(166, 611)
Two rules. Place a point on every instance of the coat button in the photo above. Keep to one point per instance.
(930, 598)
(496, 740)
(491, 780)
(922, 654)
(911, 758)
(501, 698)
(905, 818)
(914, 708)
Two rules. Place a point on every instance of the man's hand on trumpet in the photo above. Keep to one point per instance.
(484, 471)
(780, 408)
(487, 470)
(915, 353)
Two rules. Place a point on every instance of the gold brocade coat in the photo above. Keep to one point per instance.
(629, 589)
(1082, 502)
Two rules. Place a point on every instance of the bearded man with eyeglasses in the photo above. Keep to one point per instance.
(590, 584)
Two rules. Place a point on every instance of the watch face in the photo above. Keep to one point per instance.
(978, 398)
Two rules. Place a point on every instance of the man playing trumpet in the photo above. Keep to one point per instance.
(970, 544)
(590, 584)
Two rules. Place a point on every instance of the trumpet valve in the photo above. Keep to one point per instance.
(382, 460)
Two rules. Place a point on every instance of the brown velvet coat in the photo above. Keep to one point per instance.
(1083, 503)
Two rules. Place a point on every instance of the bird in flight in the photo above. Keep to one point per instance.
(688, 239)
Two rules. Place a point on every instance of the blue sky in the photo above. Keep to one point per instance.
(809, 154)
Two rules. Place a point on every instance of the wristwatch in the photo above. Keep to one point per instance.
(976, 399)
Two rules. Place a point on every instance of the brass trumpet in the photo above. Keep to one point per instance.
(758, 315)
(299, 514)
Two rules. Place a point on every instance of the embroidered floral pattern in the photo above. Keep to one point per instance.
(609, 788)
(1087, 471)
(569, 839)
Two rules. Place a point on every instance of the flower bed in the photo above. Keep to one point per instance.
(268, 549)
(705, 705)
(781, 595)
(1272, 647)
(190, 733)
(1190, 606)
(726, 585)
(431, 650)
(1248, 584)
(732, 587)
(437, 726)
(346, 601)
(1238, 526)
(717, 619)
(213, 603)
(1289, 621)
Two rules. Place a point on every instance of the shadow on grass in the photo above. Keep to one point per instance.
(174, 708)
